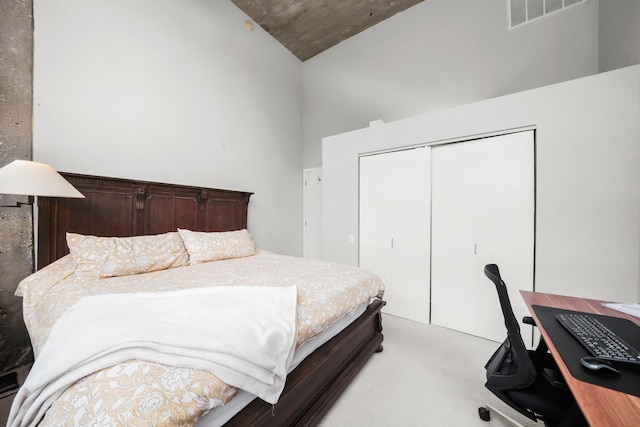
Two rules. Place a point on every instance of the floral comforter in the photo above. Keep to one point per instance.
(142, 393)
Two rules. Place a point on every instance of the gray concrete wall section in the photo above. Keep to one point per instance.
(16, 242)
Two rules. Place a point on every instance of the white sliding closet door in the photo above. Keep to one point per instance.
(482, 213)
(394, 228)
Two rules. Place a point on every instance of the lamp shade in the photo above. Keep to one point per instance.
(35, 179)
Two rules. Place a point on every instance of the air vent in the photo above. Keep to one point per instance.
(523, 11)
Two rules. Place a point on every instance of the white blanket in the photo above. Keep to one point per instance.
(245, 335)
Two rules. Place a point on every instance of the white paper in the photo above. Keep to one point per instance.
(629, 308)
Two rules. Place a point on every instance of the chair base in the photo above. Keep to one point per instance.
(484, 412)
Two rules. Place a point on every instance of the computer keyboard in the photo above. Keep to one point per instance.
(598, 339)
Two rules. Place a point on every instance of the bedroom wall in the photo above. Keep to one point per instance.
(176, 91)
(436, 55)
(587, 177)
(619, 34)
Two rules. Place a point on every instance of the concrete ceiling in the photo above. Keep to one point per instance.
(308, 27)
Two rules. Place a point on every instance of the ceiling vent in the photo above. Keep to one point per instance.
(523, 11)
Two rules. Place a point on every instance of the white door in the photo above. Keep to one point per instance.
(483, 208)
(394, 228)
(312, 212)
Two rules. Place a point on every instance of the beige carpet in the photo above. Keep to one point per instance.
(426, 376)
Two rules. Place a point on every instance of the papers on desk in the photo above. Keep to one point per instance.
(629, 308)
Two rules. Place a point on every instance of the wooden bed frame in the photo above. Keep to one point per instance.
(120, 207)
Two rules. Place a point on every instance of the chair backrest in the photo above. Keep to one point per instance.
(510, 367)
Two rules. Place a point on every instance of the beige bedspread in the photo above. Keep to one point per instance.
(142, 393)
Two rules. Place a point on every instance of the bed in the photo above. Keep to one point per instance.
(328, 352)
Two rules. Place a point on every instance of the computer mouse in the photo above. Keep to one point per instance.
(596, 364)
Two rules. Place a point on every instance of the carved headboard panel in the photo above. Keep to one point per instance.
(122, 208)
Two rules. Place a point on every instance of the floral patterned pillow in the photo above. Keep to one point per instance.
(214, 246)
(98, 257)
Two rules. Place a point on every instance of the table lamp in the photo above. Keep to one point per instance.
(31, 179)
(22, 177)
(34, 179)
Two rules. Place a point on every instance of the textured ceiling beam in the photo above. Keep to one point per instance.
(308, 27)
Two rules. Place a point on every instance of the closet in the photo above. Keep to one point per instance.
(432, 217)
(482, 212)
(394, 228)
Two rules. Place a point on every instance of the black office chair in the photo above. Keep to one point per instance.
(527, 380)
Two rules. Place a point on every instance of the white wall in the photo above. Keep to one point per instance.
(587, 177)
(439, 54)
(175, 91)
(619, 34)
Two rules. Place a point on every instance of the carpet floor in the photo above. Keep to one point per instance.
(426, 376)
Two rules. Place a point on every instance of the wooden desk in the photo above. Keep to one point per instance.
(601, 406)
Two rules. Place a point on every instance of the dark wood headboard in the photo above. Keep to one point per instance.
(122, 208)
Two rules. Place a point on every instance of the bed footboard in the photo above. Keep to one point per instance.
(319, 380)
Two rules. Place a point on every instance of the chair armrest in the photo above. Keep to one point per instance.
(542, 346)
(555, 378)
